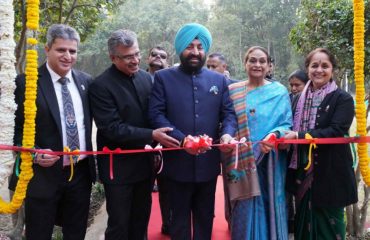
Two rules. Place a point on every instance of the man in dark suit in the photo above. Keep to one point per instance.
(193, 101)
(52, 196)
(119, 101)
(157, 60)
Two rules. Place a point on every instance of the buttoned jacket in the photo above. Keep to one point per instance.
(192, 104)
(334, 183)
(119, 105)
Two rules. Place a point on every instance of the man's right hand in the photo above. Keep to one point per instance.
(160, 135)
(191, 149)
(46, 160)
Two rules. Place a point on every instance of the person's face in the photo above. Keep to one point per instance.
(320, 69)
(157, 59)
(214, 64)
(296, 85)
(62, 55)
(127, 59)
(257, 65)
(194, 56)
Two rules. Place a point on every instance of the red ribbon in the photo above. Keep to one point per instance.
(203, 142)
(111, 152)
(196, 143)
(340, 140)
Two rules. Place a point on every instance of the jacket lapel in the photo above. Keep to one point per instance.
(82, 89)
(46, 89)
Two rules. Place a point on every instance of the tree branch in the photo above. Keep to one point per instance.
(70, 12)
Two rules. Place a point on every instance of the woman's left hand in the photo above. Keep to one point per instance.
(265, 145)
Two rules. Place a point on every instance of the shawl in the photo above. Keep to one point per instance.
(243, 181)
(305, 113)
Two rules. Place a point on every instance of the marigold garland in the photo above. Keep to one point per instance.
(29, 111)
(359, 60)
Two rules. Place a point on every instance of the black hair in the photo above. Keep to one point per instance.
(300, 74)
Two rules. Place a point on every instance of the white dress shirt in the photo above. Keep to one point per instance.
(77, 106)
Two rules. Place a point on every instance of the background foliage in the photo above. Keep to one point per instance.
(330, 24)
(289, 29)
(84, 15)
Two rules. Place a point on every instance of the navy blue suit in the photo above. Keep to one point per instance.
(192, 104)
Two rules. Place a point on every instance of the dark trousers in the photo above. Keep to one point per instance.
(192, 203)
(128, 208)
(164, 202)
(69, 206)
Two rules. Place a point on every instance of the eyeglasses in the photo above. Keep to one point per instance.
(130, 57)
(212, 66)
(161, 55)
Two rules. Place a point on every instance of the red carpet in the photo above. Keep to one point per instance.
(220, 231)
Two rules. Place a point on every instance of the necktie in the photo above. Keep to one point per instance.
(70, 122)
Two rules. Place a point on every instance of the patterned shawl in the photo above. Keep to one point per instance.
(243, 181)
(305, 113)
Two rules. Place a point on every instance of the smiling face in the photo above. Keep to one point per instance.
(194, 56)
(256, 64)
(127, 59)
(62, 55)
(320, 69)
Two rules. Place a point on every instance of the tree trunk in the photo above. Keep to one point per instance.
(20, 51)
(357, 213)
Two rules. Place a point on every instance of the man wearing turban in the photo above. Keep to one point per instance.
(193, 101)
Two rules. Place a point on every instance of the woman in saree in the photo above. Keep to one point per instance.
(326, 184)
(256, 170)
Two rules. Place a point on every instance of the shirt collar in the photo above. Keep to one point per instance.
(55, 77)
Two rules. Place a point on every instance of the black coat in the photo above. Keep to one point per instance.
(49, 130)
(334, 183)
(119, 105)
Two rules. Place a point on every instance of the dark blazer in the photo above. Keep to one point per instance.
(334, 183)
(192, 104)
(119, 105)
(49, 130)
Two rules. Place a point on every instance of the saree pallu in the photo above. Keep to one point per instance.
(256, 186)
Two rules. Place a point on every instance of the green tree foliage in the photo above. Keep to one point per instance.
(329, 24)
(84, 15)
(235, 25)
(155, 23)
(240, 24)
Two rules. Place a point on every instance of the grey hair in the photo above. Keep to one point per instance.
(61, 31)
(126, 38)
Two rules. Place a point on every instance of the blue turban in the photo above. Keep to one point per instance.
(188, 33)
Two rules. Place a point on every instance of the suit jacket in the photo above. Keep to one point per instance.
(334, 183)
(119, 106)
(49, 130)
(192, 104)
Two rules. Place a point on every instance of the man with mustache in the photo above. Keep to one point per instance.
(192, 101)
(157, 60)
(59, 192)
(119, 103)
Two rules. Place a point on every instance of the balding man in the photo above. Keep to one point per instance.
(193, 101)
